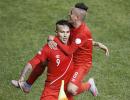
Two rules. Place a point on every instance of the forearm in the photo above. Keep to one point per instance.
(67, 49)
(101, 46)
(26, 69)
(95, 43)
(36, 72)
(53, 41)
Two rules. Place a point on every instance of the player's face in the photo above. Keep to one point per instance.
(72, 16)
(63, 33)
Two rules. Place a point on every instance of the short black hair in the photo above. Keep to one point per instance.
(81, 6)
(63, 22)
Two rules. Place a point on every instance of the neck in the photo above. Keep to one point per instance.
(65, 43)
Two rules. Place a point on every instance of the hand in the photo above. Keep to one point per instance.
(107, 52)
(51, 37)
(52, 45)
(105, 49)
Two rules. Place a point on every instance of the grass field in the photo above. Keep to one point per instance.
(25, 25)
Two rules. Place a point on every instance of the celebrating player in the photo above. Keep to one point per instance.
(81, 47)
(59, 65)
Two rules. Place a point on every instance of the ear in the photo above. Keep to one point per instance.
(56, 32)
(77, 17)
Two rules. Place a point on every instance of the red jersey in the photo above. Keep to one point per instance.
(80, 46)
(60, 66)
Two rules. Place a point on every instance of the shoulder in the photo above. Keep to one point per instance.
(45, 48)
(86, 28)
(86, 32)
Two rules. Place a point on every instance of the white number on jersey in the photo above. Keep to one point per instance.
(75, 75)
(58, 62)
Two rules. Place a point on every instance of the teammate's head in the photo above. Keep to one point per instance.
(78, 13)
(63, 30)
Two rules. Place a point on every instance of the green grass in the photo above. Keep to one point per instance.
(25, 25)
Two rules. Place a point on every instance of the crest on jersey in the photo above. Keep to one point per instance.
(77, 40)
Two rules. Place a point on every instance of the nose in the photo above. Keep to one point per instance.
(65, 34)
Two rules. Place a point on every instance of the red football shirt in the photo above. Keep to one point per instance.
(60, 66)
(80, 46)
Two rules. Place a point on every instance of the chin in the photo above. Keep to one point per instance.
(65, 42)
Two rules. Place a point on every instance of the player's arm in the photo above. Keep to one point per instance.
(68, 49)
(33, 65)
(72, 47)
(39, 58)
(102, 46)
(29, 67)
(26, 69)
(36, 62)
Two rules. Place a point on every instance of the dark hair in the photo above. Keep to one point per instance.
(63, 22)
(81, 6)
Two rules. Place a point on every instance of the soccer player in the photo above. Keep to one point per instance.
(59, 65)
(81, 48)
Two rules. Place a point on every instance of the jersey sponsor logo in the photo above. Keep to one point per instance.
(77, 40)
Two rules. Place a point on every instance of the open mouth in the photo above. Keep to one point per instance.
(64, 39)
